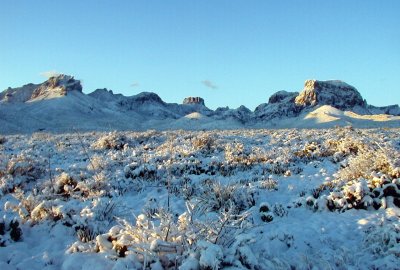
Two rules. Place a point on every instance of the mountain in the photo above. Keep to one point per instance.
(54, 87)
(59, 105)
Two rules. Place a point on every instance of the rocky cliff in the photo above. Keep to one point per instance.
(194, 100)
(337, 94)
(57, 86)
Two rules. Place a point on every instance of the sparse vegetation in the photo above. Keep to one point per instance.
(210, 199)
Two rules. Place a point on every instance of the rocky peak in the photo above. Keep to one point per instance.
(335, 93)
(19, 94)
(105, 95)
(57, 86)
(194, 100)
(282, 95)
(146, 97)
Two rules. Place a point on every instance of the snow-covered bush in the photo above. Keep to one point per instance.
(19, 171)
(113, 140)
(211, 255)
(363, 164)
(214, 196)
(144, 171)
(147, 239)
(310, 151)
(269, 184)
(9, 232)
(366, 194)
(194, 200)
(34, 209)
(383, 242)
(242, 155)
(86, 233)
(204, 143)
(265, 212)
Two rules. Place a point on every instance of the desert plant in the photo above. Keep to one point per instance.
(113, 140)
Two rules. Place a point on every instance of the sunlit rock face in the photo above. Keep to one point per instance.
(193, 100)
(59, 85)
(335, 93)
(56, 86)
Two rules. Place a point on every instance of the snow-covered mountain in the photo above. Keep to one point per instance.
(59, 104)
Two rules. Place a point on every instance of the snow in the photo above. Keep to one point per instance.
(234, 199)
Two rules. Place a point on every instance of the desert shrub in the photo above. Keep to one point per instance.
(362, 165)
(19, 171)
(310, 151)
(189, 166)
(204, 143)
(15, 230)
(343, 147)
(9, 232)
(86, 233)
(278, 168)
(365, 194)
(279, 210)
(113, 140)
(145, 171)
(148, 239)
(241, 154)
(214, 196)
(34, 209)
(265, 212)
(382, 240)
(65, 184)
(269, 184)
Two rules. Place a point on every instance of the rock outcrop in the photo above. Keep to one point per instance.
(19, 94)
(241, 114)
(194, 100)
(337, 94)
(280, 104)
(105, 95)
(57, 86)
(282, 95)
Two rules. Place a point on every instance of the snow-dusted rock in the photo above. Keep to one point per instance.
(281, 104)
(105, 95)
(335, 93)
(282, 95)
(57, 86)
(19, 94)
(194, 100)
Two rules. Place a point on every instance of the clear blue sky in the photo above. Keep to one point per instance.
(244, 50)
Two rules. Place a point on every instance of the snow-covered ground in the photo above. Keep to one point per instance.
(237, 199)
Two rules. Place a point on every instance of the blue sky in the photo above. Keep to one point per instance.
(230, 52)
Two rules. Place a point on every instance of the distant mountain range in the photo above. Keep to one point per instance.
(59, 105)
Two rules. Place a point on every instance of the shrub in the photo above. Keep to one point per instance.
(217, 197)
(204, 143)
(113, 140)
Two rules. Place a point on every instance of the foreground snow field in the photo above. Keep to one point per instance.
(238, 199)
